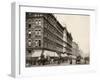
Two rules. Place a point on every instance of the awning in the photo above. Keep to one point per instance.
(36, 53)
(63, 55)
(50, 53)
(74, 57)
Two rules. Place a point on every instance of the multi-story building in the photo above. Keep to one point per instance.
(45, 33)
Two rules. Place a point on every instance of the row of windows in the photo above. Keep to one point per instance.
(52, 36)
(52, 45)
(37, 32)
(34, 14)
(53, 29)
(38, 15)
(37, 22)
(36, 43)
(49, 46)
(53, 22)
(69, 42)
(54, 40)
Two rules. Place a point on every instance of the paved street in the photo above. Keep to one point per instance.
(61, 64)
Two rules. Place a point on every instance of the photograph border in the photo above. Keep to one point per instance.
(16, 48)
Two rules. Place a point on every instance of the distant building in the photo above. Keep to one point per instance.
(67, 42)
(75, 49)
(45, 33)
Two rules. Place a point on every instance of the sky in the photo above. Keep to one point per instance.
(79, 26)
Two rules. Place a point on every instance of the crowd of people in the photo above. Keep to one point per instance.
(46, 60)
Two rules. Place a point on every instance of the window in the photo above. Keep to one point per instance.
(29, 25)
(29, 34)
(36, 43)
(38, 32)
(29, 42)
(38, 22)
(39, 43)
(29, 51)
(37, 15)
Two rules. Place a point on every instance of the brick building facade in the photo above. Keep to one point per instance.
(44, 32)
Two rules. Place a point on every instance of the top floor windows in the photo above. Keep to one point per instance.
(37, 15)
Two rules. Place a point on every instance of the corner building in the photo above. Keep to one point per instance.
(44, 33)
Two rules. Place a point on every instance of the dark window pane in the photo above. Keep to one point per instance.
(29, 51)
(39, 42)
(29, 26)
(29, 35)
